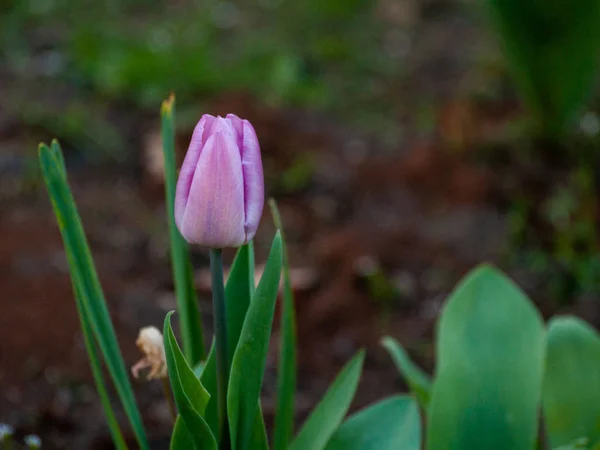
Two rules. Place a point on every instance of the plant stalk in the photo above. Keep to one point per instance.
(220, 326)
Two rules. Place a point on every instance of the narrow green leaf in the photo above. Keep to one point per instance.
(96, 366)
(187, 303)
(88, 336)
(491, 347)
(247, 368)
(418, 381)
(571, 396)
(391, 424)
(238, 294)
(181, 438)
(190, 396)
(84, 276)
(286, 373)
(329, 413)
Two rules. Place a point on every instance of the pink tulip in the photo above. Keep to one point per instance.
(220, 192)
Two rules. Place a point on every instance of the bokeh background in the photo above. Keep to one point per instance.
(404, 147)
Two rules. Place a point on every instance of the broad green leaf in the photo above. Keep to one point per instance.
(187, 303)
(190, 396)
(85, 279)
(248, 365)
(391, 424)
(238, 293)
(418, 381)
(490, 365)
(553, 48)
(286, 373)
(180, 437)
(329, 413)
(571, 398)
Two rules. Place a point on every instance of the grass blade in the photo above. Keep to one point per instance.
(286, 373)
(187, 303)
(84, 276)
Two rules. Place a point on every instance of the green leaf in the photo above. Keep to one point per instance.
(247, 368)
(190, 396)
(329, 413)
(180, 438)
(88, 336)
(286, 373)
(187, 303)
(491, 347)
(571, 398)
(418, 381)
(96, 366)
(391, 424)
(553, 50)
(85, 279)
(209, 381)
(238, 294)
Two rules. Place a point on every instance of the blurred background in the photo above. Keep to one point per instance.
(406, 141)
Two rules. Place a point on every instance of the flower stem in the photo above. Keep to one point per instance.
(220, 325)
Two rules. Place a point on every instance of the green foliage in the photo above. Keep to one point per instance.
(572, 383)
(391, 424)
(553, 48)
(190, 396)
(286, 374)
(418, 381)
(187, 303)
(488, 385)
(87, 287)
(248, 365)
(329, 413)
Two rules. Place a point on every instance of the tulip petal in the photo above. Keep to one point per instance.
(214, 213)
(254, 188)
(238, 125)
(188, 167)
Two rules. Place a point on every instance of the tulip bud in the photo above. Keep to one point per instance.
(220, 191)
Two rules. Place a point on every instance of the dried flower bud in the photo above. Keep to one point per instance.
(150, 343)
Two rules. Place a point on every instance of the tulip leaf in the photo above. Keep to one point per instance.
(180, 437)
(208, 378)
(391, 424)
(249, 360)
(86, 283)
(418, 381)
(538, 37)
(491, 348)
(571, 399)
(286, 373)
(88, 334)
(190, 396)
(329, 413)
(238, 294)
(187, 303)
